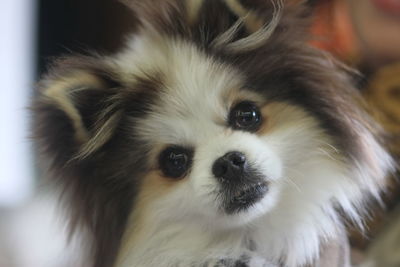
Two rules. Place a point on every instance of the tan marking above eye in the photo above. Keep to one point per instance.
(278, 114)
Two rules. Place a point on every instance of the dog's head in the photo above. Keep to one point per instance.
(217, 113)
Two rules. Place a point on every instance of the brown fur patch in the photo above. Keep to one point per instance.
(271, 114)
(153, 187)
(279, 114)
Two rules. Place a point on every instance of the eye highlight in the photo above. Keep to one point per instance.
(175, 161)
(245, 116)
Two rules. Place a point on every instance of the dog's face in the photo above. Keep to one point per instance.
(202, 120)
(210, 138)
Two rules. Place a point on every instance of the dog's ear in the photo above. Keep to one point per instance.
(76, 111)
(77, 114)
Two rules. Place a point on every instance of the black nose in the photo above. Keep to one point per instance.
(230, 166)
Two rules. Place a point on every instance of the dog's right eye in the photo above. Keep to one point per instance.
(175, 161)
(245, 116)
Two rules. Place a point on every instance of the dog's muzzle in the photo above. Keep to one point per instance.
(241, 184)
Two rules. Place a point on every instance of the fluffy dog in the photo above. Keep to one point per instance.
(216, 137)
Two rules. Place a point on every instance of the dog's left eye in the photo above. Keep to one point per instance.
(245, 116)
(175, 161)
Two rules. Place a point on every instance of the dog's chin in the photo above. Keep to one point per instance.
(245, 197)
(247, 203)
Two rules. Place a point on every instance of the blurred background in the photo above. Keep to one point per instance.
(33, 32)
(364, 34)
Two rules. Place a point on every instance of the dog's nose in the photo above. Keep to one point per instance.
(230, 166)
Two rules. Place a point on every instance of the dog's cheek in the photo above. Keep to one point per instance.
(202, 184)
(155, 203)
(290, 132)
(158, 193)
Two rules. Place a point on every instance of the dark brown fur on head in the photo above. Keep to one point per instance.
(84, 114)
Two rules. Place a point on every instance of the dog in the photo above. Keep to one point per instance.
(216, 137)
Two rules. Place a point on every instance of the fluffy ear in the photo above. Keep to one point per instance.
(75, 112)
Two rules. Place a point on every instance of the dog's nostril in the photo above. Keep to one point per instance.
(229, 166)
(220, 167)
(237, 158)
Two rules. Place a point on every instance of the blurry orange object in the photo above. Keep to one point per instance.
(333, 30)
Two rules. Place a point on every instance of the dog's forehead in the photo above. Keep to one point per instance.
(193, 94)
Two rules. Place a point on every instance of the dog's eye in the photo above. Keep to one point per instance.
(175, 161)
(245, 116)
